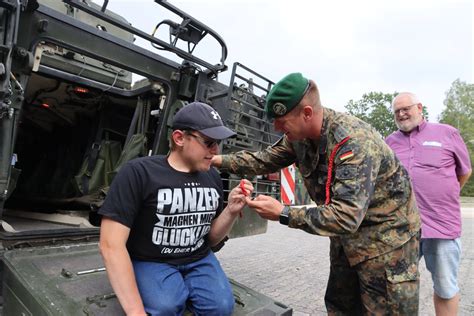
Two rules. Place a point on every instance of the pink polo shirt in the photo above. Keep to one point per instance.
(434, 155)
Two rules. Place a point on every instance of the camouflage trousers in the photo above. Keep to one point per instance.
(384, 285)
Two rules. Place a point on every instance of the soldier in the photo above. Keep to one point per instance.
(365, 202)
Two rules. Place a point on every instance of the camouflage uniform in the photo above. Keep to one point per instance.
(371, 218)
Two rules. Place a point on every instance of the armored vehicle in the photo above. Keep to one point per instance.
(78, 99)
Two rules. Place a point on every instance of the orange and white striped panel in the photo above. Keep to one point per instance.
(287, 189)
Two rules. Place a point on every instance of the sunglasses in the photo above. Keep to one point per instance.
(209, 143)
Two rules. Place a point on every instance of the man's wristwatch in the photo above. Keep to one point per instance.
(284, 220)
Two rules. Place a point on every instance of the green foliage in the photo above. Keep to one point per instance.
(459, 112)
(375, 109)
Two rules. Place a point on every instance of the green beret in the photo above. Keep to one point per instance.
(286, 94)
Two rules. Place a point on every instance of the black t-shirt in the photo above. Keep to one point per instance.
(169, 212)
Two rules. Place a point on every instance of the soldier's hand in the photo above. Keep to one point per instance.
(266, 206)
(216, 161)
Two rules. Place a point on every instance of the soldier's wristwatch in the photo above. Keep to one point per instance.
(284, 220)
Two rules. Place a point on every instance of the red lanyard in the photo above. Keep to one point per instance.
(330, 166)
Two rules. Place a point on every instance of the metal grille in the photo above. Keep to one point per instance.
(246, 102)
(260, 183)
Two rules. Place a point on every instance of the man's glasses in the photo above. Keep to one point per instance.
(209, 143)
(405, 109)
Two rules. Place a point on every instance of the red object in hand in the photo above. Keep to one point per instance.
(242, 187)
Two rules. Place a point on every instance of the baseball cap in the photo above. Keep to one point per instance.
(286, 94)
(203, 118)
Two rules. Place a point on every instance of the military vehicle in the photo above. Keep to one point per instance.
(71, 114)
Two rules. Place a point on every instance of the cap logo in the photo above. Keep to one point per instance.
(279, 108)
(215, 115)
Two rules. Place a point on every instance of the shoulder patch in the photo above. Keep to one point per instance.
(340, 133)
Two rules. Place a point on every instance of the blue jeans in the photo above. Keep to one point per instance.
(442, 257)
(201, 286)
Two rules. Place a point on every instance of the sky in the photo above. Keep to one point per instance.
(347, 47)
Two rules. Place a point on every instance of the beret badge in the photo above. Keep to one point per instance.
(279, 109)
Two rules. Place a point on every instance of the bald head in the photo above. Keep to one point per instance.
(413, 98)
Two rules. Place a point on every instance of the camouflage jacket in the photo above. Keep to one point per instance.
(372, 207)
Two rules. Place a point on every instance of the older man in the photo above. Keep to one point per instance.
(365, 200)
(438, 162)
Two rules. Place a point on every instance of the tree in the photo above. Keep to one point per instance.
(374, 108)
(459, 112)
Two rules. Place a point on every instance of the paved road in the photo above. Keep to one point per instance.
(292, 267)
